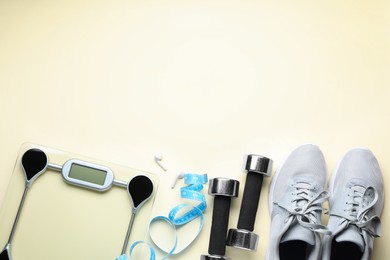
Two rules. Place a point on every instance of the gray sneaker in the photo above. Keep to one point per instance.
(356, 202)
(296, 195)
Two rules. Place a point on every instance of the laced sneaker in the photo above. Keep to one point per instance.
(356, 202)
(296, 195)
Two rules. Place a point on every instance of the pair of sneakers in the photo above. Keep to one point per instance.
(297, 191)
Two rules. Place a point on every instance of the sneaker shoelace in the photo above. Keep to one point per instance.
(360, 201)
(306, 203)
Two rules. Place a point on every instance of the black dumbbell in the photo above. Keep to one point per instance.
(223, 190)
(243, 237)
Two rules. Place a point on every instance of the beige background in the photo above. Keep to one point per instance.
(203, 82)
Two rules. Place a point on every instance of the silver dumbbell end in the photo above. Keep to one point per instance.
(213, 257)
(223, 187)
(258, 164)
(242, 239)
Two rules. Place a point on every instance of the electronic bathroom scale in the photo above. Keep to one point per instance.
(78, 209)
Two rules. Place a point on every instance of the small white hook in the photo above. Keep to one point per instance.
(177, 177)
(158, 158)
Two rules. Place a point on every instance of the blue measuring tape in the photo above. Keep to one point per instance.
(193, 192)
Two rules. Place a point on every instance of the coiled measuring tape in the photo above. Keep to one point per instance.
(193, 192)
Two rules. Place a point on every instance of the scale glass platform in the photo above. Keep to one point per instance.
(62, 221)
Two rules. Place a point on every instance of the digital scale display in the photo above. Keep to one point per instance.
(88, 174)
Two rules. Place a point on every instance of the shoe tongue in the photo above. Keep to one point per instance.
(298, 232)
(351, 234)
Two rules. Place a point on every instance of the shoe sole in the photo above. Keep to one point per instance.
(270, 195)
(272, 187)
